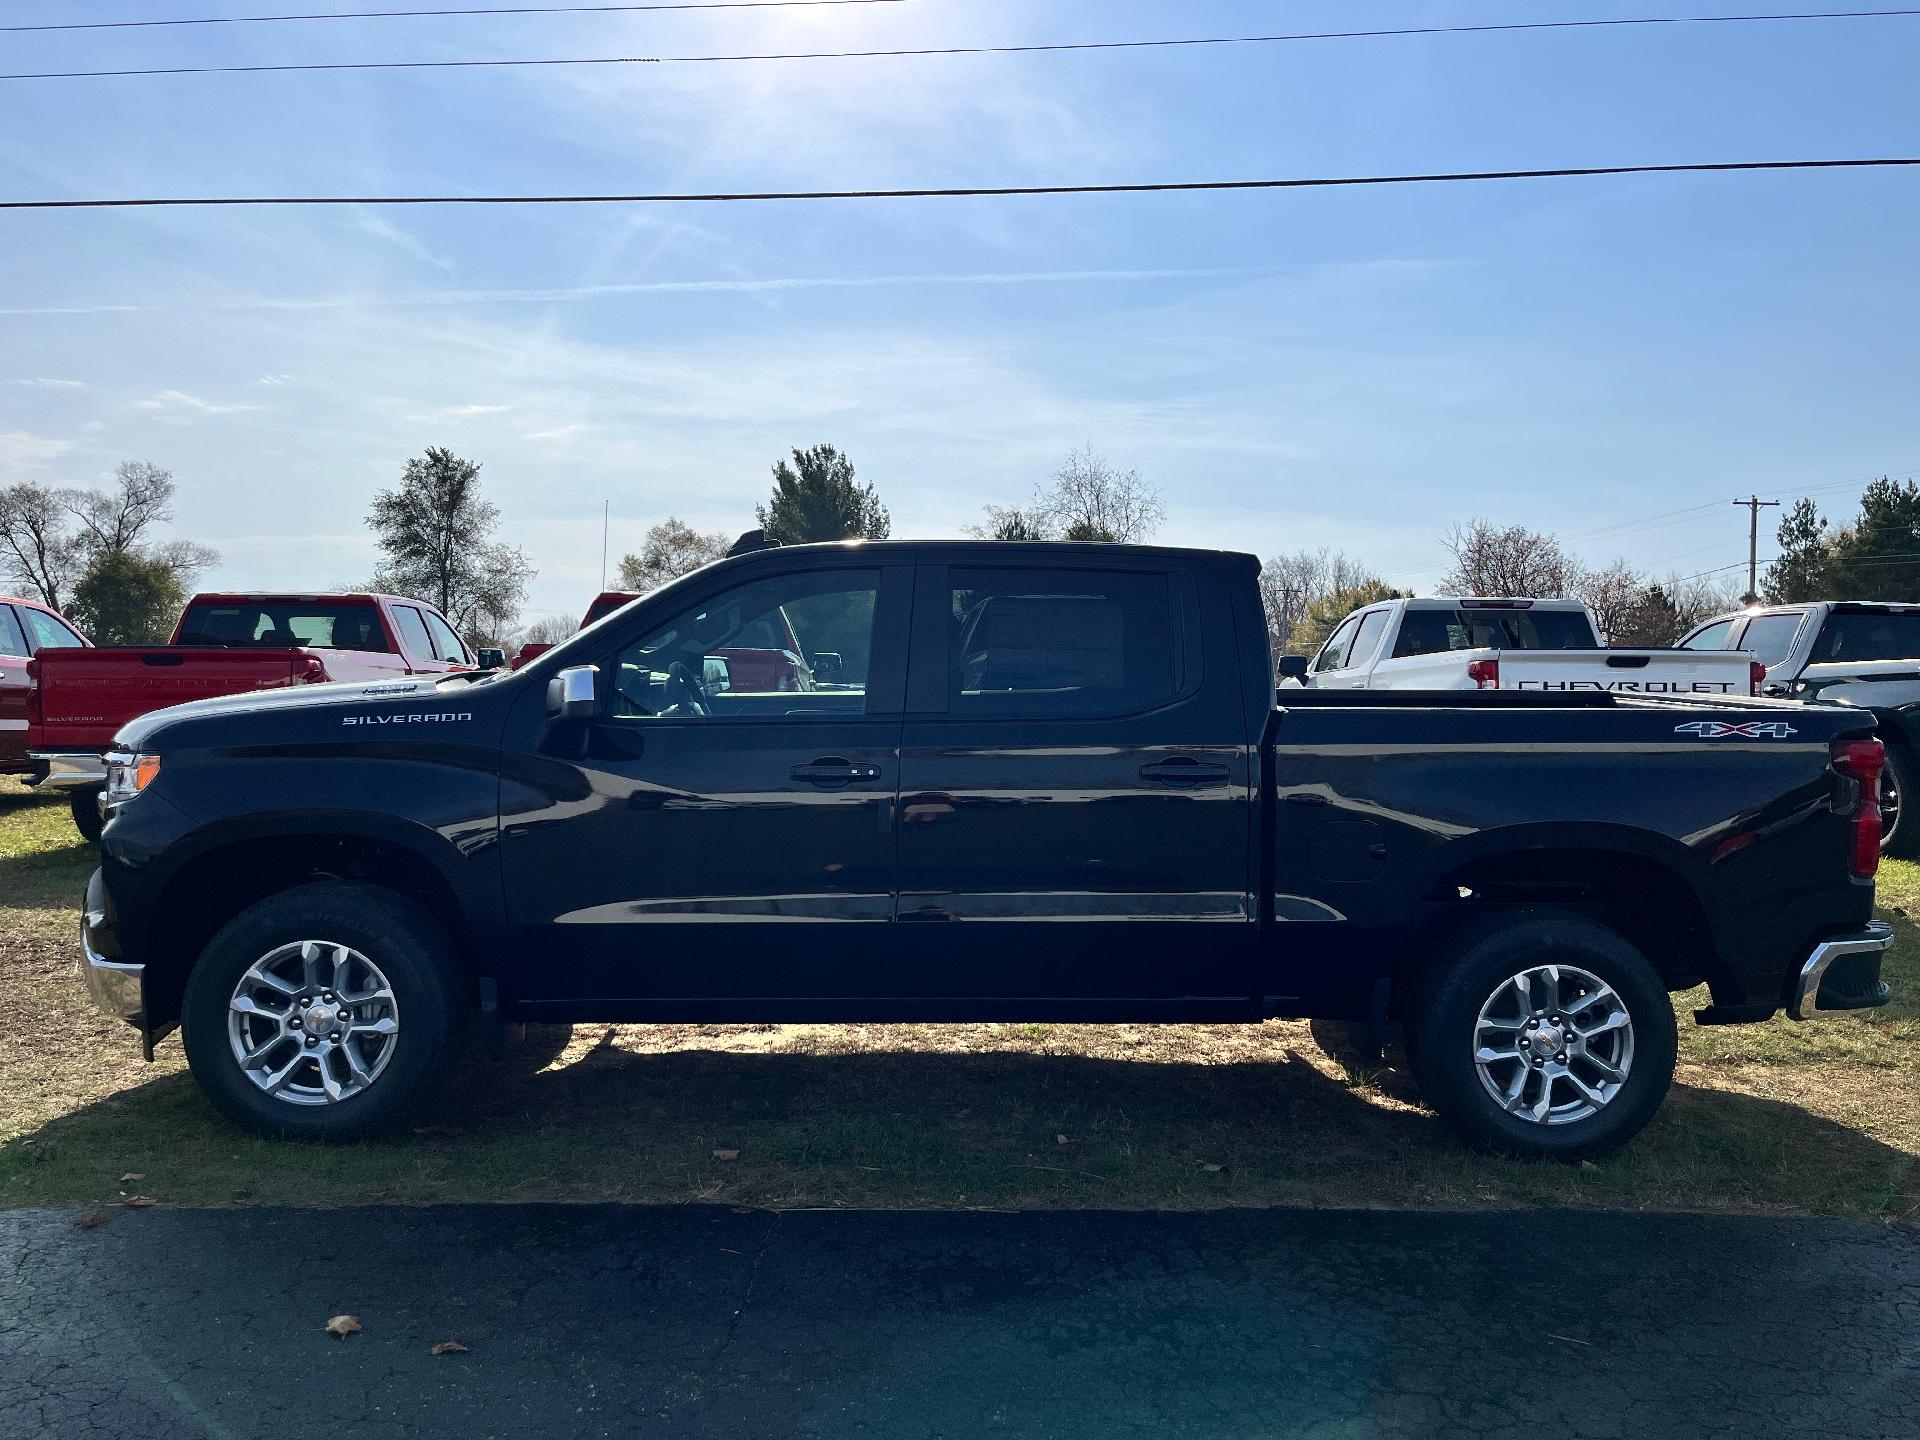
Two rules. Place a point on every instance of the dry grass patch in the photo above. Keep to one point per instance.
(1820, 1118)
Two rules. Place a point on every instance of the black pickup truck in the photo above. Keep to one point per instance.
(976, 781)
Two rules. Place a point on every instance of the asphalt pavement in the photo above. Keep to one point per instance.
(584, 1321)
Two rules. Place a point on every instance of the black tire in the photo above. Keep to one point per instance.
(1900, 828)
(1480, 961)
(85, 805)
(403, 940)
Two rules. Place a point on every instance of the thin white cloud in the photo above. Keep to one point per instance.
(273, 380)
(658, 287)
(22, 450)
(44, 383)
(558, 432)
(377, 225)
(177, 406)
(461, 412)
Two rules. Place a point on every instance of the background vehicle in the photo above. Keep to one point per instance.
(222, 644)
(25, 626)
(1052, 784)
(1499, 644)
(1843, 652)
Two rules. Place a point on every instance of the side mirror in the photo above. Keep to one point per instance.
(1292, 667)
(827, 665)
(573, 694)
(716, 675)
(491, 659)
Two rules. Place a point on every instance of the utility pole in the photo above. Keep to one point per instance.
(1754, 506)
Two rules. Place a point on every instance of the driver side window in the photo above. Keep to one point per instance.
(786, 646)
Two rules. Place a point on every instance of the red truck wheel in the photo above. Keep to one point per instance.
(87, 819)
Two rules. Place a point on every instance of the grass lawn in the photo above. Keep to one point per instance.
(1821, 1118)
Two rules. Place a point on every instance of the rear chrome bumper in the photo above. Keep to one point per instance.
(70, 770)
(1859, 956)
(115, 986)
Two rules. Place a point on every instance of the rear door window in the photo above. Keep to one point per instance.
(1366, 639)
(1770, 637)
(1034, 642)
(12, 642)
(446, 644)
(413, 632)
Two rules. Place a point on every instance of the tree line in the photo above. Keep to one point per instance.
(94, 553)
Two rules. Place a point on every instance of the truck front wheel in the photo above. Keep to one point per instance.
(321, 1011)
(1543, 1035)
(85, 805)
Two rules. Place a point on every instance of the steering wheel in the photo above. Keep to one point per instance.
(683, 689)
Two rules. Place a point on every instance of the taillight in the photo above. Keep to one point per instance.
(1756, 676)
(1484, 673)
(313, 672)
(1861, 761)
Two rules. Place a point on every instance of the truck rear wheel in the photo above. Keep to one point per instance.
(320, 1012)
(87, 819)
(1544, 1035)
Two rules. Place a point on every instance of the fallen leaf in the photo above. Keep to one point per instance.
(137, 1202)
(1063, 1140)
(341, 1326)
(132, 1176)
(1588, 1165)
(92, 1220)
(438, 1132)
(445, 1347)
(1213, 1169)
(726, 1154)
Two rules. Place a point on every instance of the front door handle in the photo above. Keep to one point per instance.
(833, 770)
(1183, 770)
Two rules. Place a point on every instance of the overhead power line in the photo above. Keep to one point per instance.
(928, 193)
(434, 14)
(511, 62)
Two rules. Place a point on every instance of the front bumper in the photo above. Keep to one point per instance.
(115, 986)
(1843, 974)
(69, 770)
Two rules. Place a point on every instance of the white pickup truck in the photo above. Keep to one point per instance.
(1445, 643)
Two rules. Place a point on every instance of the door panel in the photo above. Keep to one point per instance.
(705, 842)
(13, 691)
(1057, 854)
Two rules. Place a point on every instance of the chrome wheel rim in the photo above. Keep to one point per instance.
(1553, 1045)
(313, 1023)
(1889, 802)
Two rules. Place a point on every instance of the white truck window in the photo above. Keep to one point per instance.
(1769, 638)
(1366, 640)
(1714, 637)
(1333, 654)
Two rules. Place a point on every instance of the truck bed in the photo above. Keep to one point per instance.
(81, 697)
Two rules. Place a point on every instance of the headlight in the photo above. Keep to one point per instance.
(128, 775)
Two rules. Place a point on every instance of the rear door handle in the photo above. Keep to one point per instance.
(1183, 770)
(832, 770)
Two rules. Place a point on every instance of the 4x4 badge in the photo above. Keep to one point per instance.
(1728, 730)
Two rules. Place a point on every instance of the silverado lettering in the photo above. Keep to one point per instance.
(425, 717)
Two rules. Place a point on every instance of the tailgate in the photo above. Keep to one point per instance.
(1641, 672)
(84, 696)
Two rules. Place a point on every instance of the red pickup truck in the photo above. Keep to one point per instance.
(223, 645)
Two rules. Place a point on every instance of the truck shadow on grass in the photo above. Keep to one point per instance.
(985, 1128)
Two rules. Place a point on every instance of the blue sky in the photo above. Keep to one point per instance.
(1357, 369)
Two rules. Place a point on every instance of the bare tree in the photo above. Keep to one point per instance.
(118, 519)
(1512, 560)
(1087, 499)
(1290, 584)
(1617, 594)
(38, 552)
(550, 630)
(671, 549)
